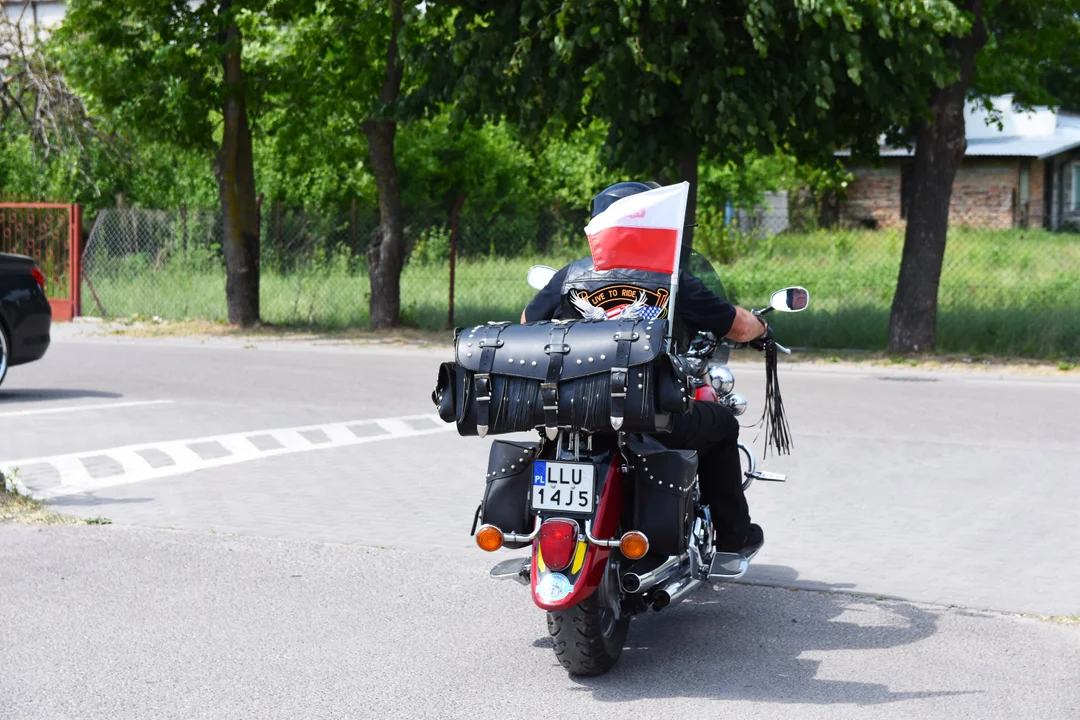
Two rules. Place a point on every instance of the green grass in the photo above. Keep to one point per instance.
(1006, 292)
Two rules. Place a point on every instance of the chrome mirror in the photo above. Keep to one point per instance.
(792, 299)
(540, 276)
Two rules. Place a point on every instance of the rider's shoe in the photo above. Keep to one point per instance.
(751, 542)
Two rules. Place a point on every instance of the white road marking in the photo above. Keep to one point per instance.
(291, 439)
(239, 446)
(74, 477)
(84, 408)
(395, 425)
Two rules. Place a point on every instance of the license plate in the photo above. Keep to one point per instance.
(564, 487)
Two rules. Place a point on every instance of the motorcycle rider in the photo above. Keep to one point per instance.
(709, 428)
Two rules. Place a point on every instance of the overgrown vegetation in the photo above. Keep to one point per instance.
(19, 507)
(1004, 293)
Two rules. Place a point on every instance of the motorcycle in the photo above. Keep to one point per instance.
(591, 566)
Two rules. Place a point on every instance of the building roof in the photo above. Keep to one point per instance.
(1039, 133)
(1040, 147)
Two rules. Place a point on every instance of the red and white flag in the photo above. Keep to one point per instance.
(640, 232)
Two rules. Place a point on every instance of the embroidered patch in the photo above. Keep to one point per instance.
(614, 300)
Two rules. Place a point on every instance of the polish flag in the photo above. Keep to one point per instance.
(640, 232)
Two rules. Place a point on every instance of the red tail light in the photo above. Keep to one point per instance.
(558, 540)
(38, 278)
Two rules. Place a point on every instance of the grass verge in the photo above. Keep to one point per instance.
(21, 508)
(1004, 293)
(415, 338)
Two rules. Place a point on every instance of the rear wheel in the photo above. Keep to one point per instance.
(589, 636)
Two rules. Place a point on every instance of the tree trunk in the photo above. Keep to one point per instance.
(235, 171)
(386, 255)
(687, 162)
(939, 149)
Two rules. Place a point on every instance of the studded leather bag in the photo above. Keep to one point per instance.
(580, 374)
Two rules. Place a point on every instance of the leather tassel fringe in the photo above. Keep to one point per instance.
(777, 434)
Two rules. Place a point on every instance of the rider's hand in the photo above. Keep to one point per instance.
(762, 340)
(746, 327)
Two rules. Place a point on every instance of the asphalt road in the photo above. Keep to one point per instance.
(322, 566)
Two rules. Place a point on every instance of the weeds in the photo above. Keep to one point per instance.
(18, 506)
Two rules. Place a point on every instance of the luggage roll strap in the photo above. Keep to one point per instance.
(482, 380)
(549, 390)
(620, 372)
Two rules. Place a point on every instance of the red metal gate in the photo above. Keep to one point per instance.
(51, 233)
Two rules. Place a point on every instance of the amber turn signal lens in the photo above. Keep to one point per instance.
(489, 538)
(634, 545)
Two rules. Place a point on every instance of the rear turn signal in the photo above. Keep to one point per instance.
(489, 538)
(634, 545)
(38, 278)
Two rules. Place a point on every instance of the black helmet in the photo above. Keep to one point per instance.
(618, 191)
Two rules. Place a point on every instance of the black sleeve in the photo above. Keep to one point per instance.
(547, 305)
(702, 309)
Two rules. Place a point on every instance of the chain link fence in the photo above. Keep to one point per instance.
(1006, 291)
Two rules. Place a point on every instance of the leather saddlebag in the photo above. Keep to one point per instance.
(587, 375)
(509, 481)
(663, 494)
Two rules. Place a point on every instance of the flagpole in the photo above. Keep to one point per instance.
(670, 341)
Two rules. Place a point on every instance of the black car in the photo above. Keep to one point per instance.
(25, 315)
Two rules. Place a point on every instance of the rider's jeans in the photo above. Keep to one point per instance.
(713, 431)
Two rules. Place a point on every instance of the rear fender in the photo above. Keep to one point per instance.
(561, 590)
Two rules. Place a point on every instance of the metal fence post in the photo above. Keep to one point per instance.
(453, 256)
(183, 224)
(352, 226)
(75, 250)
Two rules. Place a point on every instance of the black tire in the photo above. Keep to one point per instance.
(5, 352)
(582, 643)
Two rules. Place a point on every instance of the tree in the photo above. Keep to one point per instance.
(39, 111)
(176, 71)
(677, 81)
(349, 74)
(1003, 46)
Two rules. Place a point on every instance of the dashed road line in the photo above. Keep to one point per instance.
(76, 478)
(83, 408)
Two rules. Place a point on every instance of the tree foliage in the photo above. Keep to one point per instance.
(47, 135)
(677, 77)
(155, 69)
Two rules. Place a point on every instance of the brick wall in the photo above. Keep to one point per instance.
(984, 194)
(874, 195)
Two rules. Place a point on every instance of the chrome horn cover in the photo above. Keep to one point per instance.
(734, 402)
(721, 379)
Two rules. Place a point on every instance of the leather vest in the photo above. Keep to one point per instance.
(588, 292)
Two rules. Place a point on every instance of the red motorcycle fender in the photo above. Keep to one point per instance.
(705, 393)
(560, 590)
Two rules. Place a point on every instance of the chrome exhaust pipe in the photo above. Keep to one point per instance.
(674, 592)
(638, 582)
